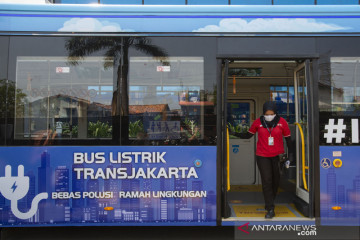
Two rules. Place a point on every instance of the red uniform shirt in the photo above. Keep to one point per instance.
(263, 148)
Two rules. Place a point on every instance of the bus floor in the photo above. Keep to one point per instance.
(247, 204)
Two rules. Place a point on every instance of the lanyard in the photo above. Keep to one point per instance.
(269, 130)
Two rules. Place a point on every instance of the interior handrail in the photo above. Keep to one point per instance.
(303, 156)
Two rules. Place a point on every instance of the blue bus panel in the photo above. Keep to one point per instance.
(180, 19)
(340, 185)
(130, 185)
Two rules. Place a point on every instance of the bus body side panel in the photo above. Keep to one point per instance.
(339, 166)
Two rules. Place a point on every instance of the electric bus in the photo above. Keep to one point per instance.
(120, 115)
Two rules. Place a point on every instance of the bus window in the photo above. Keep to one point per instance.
(67, 101)
(339, 93)
(168, 103)
(87, 90)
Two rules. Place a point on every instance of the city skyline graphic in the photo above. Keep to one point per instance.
(54, 173)
(340, 187)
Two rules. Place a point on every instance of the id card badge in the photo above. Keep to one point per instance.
(271, 141)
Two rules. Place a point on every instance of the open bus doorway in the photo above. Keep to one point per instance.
(248, 85)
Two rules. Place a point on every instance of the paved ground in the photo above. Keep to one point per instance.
(110, 233)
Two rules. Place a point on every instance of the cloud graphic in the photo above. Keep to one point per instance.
(91, 25)
(270, 25)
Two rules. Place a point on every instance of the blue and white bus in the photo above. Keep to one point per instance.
(117, 115)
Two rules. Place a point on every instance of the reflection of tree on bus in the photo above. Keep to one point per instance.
(195, 135)
(117, 49)
(44, 137)
(189, 132)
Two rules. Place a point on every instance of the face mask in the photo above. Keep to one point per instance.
(269, 118)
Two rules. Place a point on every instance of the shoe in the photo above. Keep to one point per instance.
(270, 214)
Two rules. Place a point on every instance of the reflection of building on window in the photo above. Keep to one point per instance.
(102, 93)
(284, 96)
(342, 92)
(169, 101)
(66, 113)
(72, 100)
(141, 115)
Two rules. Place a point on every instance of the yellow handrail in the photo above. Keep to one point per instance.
(303, 156)
(228, 159)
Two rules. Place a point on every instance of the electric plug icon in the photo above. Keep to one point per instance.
(15, 188)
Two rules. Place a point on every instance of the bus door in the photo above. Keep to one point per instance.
(301, 77)
(238, 155)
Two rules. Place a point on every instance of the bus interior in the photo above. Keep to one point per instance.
(248, 85)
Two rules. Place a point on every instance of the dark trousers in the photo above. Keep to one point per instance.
(270, 178)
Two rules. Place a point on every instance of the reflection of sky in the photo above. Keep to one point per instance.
(104, 98)
(104, 94)
(170, 95)
(171, 100)
(186, 24)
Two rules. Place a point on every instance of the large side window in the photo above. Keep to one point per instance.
(339, 86)
(68, 101)
(168, 103)
(339, 94)
(109, 90)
